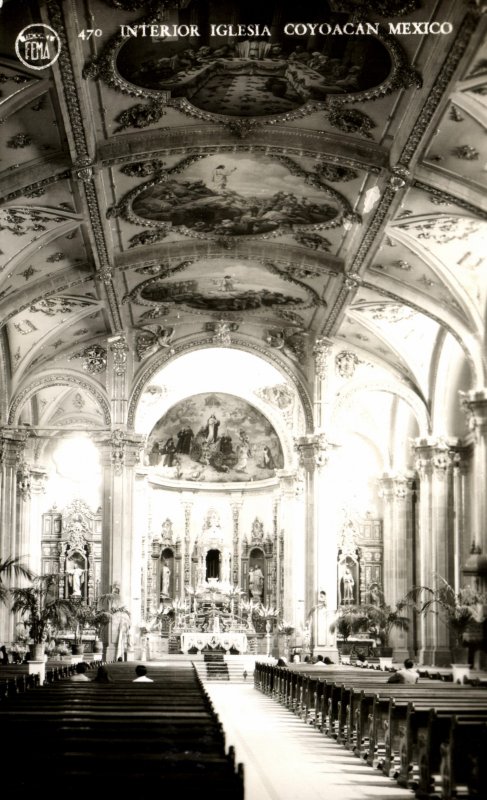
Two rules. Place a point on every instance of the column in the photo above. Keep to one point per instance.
(327, 514)
(435, 539)
(236, 508)
(396, 492)
(291, 548)
(31, 489)
(306, 447)
(475, 405)
(12, 444)
(119, 455)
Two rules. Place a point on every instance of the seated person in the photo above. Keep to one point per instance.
(141, 672)
(80, 672)
(407, 674)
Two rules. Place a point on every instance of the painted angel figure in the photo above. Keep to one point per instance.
(152, 339)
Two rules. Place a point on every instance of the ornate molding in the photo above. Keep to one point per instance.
(439, 88)
(83, 162)
(119, 349)
(447, 198)
(321, 350)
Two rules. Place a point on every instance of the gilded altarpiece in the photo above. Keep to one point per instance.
(71, 548)
(360, 562)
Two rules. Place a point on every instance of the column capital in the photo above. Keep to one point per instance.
(12, 445)
(395, 485)
(314, 450)
(474, 404)
(120, 449)
(435, 454)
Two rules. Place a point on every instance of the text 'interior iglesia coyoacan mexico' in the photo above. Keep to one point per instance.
(243, 296)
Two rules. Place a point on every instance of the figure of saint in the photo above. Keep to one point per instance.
(256, 582)
(220, 178)
(166, 578)
(347, 586)
(77, 579)
(169, 451)
(267, 458)
(211, 429)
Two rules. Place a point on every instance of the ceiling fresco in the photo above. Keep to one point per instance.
(243, 287)
(255, 75)
(235, 195)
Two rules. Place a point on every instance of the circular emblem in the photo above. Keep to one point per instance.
(38, 46)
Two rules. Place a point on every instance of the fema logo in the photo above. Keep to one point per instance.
(38, 46)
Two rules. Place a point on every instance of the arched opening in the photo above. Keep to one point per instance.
(213, 560)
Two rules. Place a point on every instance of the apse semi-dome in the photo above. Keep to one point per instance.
(214, 437)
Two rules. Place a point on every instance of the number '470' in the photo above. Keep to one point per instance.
(89, 32)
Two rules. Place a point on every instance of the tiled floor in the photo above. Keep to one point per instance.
(284, 759)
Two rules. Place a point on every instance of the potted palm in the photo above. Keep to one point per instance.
(350, 620)
(459, 609)
(382, 620)
(8, 568)
(41, 609)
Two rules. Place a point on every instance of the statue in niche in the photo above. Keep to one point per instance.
(256, 582)
(347, 586)
(166, 578)
(76, 579)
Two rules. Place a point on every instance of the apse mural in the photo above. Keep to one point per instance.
(267, 66)
(214, 437)
(235, 195)
(219, 286)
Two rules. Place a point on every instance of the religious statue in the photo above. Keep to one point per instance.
(347, 586)
(256, 582)
(166, 578)
(76, 580)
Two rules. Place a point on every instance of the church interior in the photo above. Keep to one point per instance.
(244, 415)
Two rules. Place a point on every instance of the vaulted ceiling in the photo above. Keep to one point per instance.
(263, 191)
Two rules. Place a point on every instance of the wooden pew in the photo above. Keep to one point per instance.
(120, 737)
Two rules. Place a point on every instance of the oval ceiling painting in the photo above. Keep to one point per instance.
(218, 286)
(214, 438)
(254, 59)
(234, 195)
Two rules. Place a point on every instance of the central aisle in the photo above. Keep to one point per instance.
(284, 759)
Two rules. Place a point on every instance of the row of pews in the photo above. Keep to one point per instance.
(431, 736)
(122, 736)
(15, 679)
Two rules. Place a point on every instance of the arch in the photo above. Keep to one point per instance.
(160, 360)
(410, 398)
(60, 379)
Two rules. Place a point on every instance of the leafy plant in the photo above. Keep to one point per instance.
(8, 568)
(458, 609)
(41, 608)
(377, 622)
(383, 619)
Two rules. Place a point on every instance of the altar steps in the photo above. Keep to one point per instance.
(233, 669)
